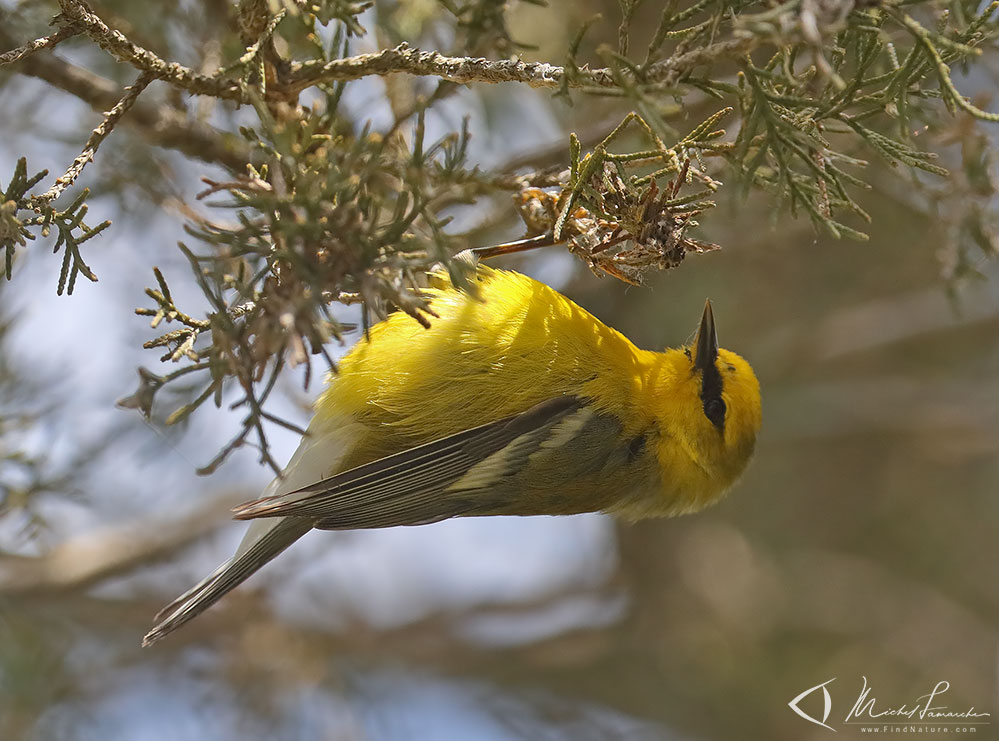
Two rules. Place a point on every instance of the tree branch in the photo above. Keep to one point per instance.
(115, 44)
(404, 58)
(399, 59)
(46, 42)
(89, 559)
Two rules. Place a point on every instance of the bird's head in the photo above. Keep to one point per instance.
(710, 412)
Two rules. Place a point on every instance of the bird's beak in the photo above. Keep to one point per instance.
(707, 340)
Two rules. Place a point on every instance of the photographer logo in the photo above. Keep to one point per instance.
(928, 713)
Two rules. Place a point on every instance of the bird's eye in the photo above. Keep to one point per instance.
(714, 410)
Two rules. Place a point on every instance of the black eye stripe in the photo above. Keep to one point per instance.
(711, 396)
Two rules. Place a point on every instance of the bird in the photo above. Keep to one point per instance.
(515, 401)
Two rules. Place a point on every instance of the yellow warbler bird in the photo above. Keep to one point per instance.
(515, 402)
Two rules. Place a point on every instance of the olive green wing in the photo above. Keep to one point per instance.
(516, 465)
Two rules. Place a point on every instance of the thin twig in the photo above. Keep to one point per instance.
(943, 71)
(117, 45)
(159, 124)
(406, 59)
(46, 42)
(97, 136)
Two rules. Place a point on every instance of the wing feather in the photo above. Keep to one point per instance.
(408, 488)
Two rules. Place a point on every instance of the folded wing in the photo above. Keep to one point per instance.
(468, 473)
(559, 457)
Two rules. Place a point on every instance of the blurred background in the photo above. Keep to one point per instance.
(861, 543)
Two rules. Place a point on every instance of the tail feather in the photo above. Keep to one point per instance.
(253, 553)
